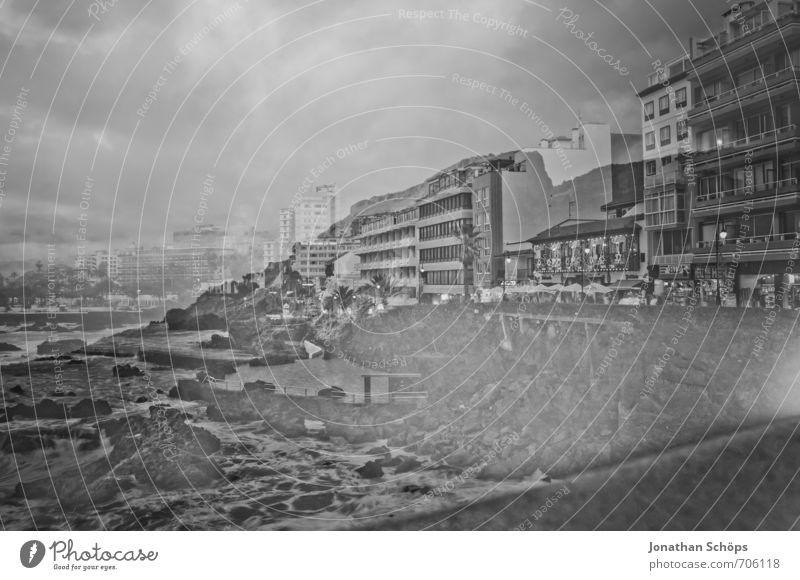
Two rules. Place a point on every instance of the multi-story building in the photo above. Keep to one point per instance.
(170, 269)
(442, 212)
(103, 261)
(746, 211)
(389, 249)
(668, 174)
(286, 233)
(528, 191)
(312, 259)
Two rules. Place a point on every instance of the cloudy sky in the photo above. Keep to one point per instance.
(113, 117)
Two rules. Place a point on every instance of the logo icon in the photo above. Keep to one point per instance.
(31, 553)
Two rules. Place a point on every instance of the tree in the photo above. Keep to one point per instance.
(39, 266)
(470, 238)
(381, 287)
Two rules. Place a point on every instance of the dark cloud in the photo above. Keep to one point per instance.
(264, 92)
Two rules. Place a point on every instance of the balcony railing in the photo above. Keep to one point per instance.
(666, 177)
(785, 237)
(773, 185)
(773, 134)
(741, 91)
(722, 40)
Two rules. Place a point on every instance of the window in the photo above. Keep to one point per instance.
(663, 208)
(682, 130)
(664, 135)
(663, 105)
(680, 98)
(649, 111)
(650, 168)
(666, 160)
(650, 140)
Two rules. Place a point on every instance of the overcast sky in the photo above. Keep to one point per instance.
(259, 94)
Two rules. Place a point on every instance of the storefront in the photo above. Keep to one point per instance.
(706, 279)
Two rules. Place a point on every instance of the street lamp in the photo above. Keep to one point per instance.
(505, 275)
(586, 252)
(420, 283)
(720, 239)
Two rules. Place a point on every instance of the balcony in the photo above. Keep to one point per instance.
(666, 177)
(759, 244)
(464, 212)
(766, 84)
(739, 194)
(766, 139)
(714, 47)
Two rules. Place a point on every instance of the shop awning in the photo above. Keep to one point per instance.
(626, 285)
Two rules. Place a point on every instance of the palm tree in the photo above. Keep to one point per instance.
(345, 296)
(469, 237)
(382, 287)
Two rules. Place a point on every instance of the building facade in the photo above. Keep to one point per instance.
(746, 212)
(388, 248)
(312, 259)
(446, 207)
(669, 181)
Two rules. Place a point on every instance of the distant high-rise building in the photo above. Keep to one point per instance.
(307, 218)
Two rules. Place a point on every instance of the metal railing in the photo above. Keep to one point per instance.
(772, 133)
(347, 398)
(747, 189)
(785, 237)
(737, 91)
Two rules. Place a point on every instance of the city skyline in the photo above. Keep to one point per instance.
(98, 156)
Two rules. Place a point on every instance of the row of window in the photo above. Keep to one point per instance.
(681, 101)
(441, 254)
(446, 205)
(442, 230)
(447, 277)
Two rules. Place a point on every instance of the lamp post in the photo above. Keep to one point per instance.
(420, 283)
(505, 273)
(720, 239)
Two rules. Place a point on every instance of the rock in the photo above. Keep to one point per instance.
(214, 414)
(5, 347)
(179, 319)
(90, 408)
(47, 409)
(57, 347)
(313, 502)
(17, 390)
(370, 470)
(238, 514)
(20, 411)
(382, 450)
(410, 464)
(141, 400)
(416, 489)
(188, 390)
(126, 370)
(218, 341)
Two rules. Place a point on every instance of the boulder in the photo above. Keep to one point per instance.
(5, 347)
(47, 409)
(410, 464)
(17, 390)
(90, 408)
(370, 470)
(214, 414)
(189, 390)
(218, 341)
(57, 347)
(313, 502)
(126, 370)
